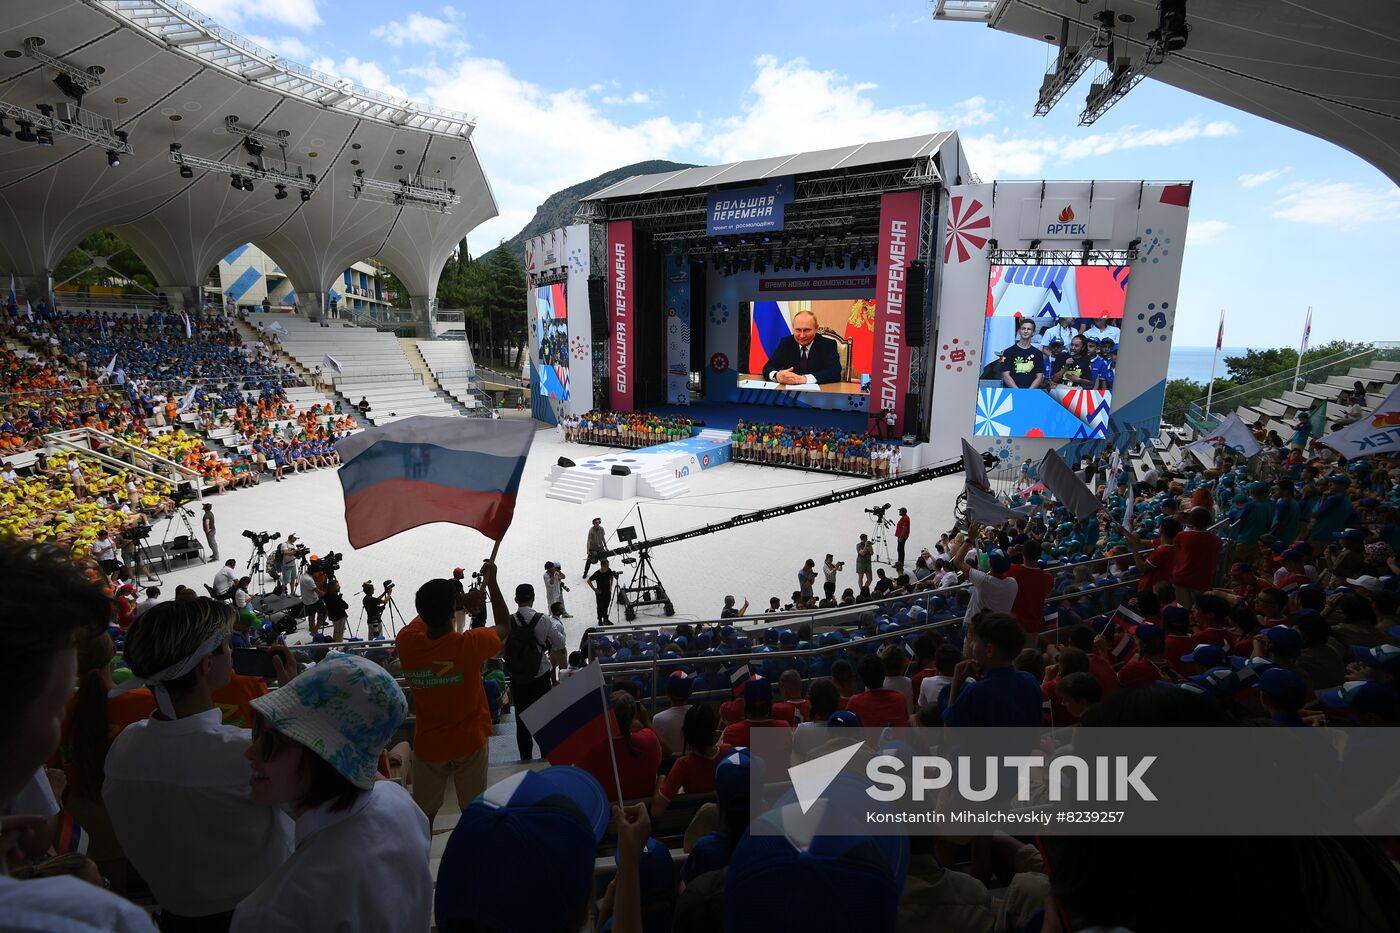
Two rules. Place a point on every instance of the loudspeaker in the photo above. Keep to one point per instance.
(914, 282)
(565, 462)
(598, 310)
(619, 470)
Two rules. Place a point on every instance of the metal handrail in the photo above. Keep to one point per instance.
(69, 440)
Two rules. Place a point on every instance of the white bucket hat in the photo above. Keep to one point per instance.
(345, 709)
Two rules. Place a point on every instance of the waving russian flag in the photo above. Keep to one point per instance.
(768, 325)
(572, 721)
(422, 470)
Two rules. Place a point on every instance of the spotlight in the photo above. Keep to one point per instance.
(4, 130)
(186, 172)
(992, 244)
(281, 194)
(70, 88)
(113, 160)
(1035, 244)
(26, 132)
(236, 182)
(305, 195)
(1133, 247)
(1172, 28)
(45, 109)
(247, 184)
(44, 138)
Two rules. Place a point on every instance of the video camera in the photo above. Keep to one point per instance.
(328, 564)
(260, 539)
(878, 511)
(138, 532)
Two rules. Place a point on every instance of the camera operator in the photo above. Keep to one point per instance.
(337, 610)
(374, 607)
(287, 553)
(311, 603)
(555, 587)
(829, 569)
(601, 583)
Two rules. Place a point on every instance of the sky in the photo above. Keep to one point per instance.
(565, 93)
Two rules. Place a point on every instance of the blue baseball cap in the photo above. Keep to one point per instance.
(679, 684)
(844, 881)
(1207, 656)
(1382, 657)
(758, 687)
(1281, 636)
(1368, 696)
(557, 815)
(1284, 685)
(999, 562)
(843, 717)
(734, 776)
(1149, 632)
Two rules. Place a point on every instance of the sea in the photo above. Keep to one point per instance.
(1194, 362)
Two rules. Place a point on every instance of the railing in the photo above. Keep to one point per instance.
(176, 386)
(1257, 390)
(80, 440)
(355, 378)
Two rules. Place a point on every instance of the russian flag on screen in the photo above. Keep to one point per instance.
(421, 470)
(768, 325)
(573, 720)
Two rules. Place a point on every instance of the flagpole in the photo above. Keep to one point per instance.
(612, 746)
(1303, 348)
(1219, 339)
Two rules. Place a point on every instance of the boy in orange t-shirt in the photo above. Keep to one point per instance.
(443, 670)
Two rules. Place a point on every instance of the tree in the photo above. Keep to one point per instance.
(1180, 394)
(392, 283)
(1260, 364)
(506, 304)
(122, 265)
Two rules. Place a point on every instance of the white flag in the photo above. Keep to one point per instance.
(1067, 487)
(1128, 510)
(276, 328)
(188, 401)
(111, 367)
(1374, 433)
(1234, 434)
(332, 362)
(1110, 483)
(189, 332)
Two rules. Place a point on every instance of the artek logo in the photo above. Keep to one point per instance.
(1386, 419)
(1065, 225)
(1067, 214)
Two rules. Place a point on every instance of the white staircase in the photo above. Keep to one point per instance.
(577, 486)
(660, 482)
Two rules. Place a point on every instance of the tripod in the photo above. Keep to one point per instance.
(646, 588)
(185, 515)
(882, 545)
(374, 625)
(144, 561)
(257, 569)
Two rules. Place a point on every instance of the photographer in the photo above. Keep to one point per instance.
(865, 552)
(374, 608)
(829, 569)
(555, 587)
(337, 610)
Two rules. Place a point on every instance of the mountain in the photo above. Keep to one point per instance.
(559, 208)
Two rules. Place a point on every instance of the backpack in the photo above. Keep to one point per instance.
(521, 651)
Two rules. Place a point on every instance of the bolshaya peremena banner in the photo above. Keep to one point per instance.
(1103, 780)
(748, 210)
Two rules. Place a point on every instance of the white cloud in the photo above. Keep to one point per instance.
(286, 46)
(1003, 156)
(1200, 232)
(364, 73)
(636, 97)
(421, 29)
(299, 14)
(1262, 178)
(534, 141)
(791, 106)
(1337, 203)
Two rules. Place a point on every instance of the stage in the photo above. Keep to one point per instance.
(724, 415)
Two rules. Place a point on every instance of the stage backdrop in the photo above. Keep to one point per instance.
(677, 331)
(1060, 214)
(564, 249)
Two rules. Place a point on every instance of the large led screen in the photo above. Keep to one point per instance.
(837, 335)
(1050, 350)
(552, 340)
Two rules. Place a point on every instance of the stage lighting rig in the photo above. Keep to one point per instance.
(1071, 63)
(40, 124)
(255, 141)
(1121, 75)
(1172, 28)
(243, 176)
(72, 80)
(416, 191)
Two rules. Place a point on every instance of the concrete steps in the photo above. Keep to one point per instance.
(660, 483)
(576, 486)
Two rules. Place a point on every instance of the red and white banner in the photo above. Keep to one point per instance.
(622, 267)
(899, 246)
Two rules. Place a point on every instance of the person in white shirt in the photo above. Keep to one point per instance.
(667, 723)
(104, 551)
(152, 597)
(9, 475)
(177, 786)
(46, 607)
(361, 856)
(555, 587)
(1101, 328)
(225, 579)
(995, 591)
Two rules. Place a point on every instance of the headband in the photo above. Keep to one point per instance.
(179, 669)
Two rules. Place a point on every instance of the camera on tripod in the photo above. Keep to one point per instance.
(878, 511)
(388, 584)
(629, 560)
(260, 539)
(138, 532)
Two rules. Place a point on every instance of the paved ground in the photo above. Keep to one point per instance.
(754, 561)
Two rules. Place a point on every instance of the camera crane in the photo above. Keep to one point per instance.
(653, 593)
